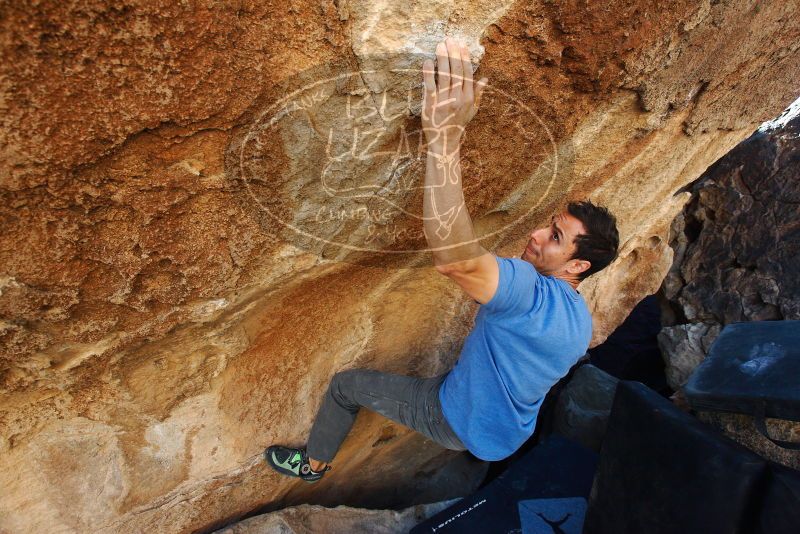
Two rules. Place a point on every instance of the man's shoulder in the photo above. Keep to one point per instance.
(518, 268)
(516, 262)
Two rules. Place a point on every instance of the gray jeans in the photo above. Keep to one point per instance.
(413, 402)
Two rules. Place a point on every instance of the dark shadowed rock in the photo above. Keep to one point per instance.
(583, 407)
(683, 347)
(736, 246)
(743, 430)
(342, 519)
(738, 241)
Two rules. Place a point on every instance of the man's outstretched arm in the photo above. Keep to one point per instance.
(448, 107)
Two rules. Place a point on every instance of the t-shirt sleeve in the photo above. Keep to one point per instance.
(517, 288)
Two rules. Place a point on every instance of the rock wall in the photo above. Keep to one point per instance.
(173, 275)
(736, 248)
(738, 240)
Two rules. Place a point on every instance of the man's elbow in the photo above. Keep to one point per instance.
(443, 269)
(464, 266)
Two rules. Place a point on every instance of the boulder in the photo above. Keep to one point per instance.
(584, 406)
(683, 347)
(188, 253)
(308, 519)
(736, 246)
(736, 242)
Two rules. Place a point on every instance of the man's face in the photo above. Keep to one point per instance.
(549, 249)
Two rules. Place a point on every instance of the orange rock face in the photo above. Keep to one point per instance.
(195, 235)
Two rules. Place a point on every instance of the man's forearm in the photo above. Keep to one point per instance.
(447, 223)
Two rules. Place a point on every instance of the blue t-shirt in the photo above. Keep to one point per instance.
(525, 339)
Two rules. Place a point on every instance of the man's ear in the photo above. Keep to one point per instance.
(578, 266)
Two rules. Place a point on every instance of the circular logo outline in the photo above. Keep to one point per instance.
(257, 125)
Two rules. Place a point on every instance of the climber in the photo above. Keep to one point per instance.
(531, 328)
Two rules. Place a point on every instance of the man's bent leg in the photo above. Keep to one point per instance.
(410, 401)
(346, 394)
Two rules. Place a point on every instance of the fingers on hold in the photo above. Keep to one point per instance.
(466, 73)
(456, 63)
(481, 87)
(443, 65)
(427, 75)
(441, 57)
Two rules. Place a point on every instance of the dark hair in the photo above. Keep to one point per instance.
(599, 245)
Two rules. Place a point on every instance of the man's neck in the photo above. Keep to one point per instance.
(572, 281)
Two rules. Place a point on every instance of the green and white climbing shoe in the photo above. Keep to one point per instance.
(292, 462)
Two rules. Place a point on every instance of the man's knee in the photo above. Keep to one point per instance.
(343, 383)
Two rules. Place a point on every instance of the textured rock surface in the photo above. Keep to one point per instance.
(583, 408)
(308, 519)
(739, 237)
(736, 248)
(683, 347)
(155, 321)
(742, 429)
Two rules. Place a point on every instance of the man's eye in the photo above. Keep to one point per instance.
(555, 236)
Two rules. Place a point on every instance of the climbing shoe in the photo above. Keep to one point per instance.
(292, 462)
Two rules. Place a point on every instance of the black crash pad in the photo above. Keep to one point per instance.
(550, 483)
(779, 512)
(752, 368)
(663, 471)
